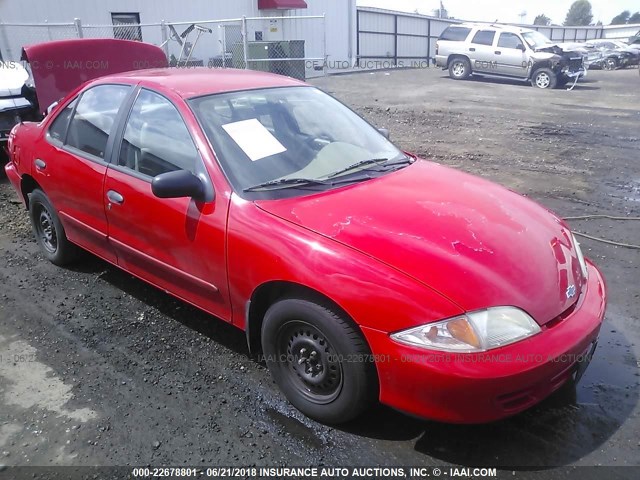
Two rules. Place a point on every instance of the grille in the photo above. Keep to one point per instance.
(575, 64)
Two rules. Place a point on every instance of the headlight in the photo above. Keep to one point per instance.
(473, 332)
(583, 264)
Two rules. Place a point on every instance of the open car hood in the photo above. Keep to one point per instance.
(61, 66)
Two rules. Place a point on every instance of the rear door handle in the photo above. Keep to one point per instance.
(40, 164)
(115, 197)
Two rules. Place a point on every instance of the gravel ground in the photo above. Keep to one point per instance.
(97, 368)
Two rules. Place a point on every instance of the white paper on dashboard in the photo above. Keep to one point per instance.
(254, 139)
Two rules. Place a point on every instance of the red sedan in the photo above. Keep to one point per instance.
(358, 270)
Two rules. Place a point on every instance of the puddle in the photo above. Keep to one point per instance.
(295, 428)
(29, 384)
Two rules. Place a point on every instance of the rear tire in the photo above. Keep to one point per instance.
(319, 360)
(49, 232)
(544, 78)
(460, 68)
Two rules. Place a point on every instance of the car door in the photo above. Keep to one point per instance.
(177, 244)
(481, 51)
(510, 55)
(70, 164)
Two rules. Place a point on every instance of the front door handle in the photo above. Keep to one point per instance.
(115, 197)
(40, 164)
(498, 52)
(472, 49)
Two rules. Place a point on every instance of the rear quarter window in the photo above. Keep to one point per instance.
(455, 34)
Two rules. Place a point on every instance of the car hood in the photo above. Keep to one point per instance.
(12, 79)
(61, 66)
(473, 241)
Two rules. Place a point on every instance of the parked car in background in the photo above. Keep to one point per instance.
(17, 101)
(595, 58)
(505, 51)
(29, 89)
(361, 272)
(616, 54)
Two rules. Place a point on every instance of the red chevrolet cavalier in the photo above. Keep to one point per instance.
(358, 270)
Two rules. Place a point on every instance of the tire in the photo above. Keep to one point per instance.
(48, 230)
(459, 68)
(319, 360)
(544, 78)
(610, 64)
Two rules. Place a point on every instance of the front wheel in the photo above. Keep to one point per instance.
(48, 230)
(544, 78)
(319, 360)
(459, 68)
(610, 64)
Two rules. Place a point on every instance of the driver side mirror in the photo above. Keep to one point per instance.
(385, 132)
(178, 184)
(520, 46)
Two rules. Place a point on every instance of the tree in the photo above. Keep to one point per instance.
(621, 18)
(579, 13)
(542, 19)
(635, 18)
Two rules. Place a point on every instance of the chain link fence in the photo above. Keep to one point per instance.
(15, 35)
(293, 46)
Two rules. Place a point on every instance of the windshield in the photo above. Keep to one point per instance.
(536, 39)
(283, 136)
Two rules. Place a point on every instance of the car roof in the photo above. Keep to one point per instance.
(503, 28)
(190, 82)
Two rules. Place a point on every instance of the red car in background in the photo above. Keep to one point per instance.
(358, 270)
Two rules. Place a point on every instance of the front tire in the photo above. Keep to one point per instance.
(459, 68)
(544, 78)
(610, 64)
(319, 360)
(48, 230)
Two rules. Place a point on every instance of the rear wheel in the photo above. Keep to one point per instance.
(544, 78)
(319, 360)
(459, 68)
(48, 230)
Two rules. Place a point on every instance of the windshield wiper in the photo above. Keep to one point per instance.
(373, 161)
(361, 163)
(285, 183)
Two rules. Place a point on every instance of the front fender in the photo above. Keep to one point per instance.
(264, 248)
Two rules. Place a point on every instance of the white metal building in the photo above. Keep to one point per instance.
(333, 37)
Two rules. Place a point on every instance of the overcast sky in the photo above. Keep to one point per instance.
(492, 10)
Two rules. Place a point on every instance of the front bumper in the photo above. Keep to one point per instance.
(479, 388)
(577, 73)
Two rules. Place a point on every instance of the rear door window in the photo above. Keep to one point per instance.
(94, 118)
(455, 34)
(484, 37)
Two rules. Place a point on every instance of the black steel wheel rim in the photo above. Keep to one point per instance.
(46, 229)
(309, 361)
